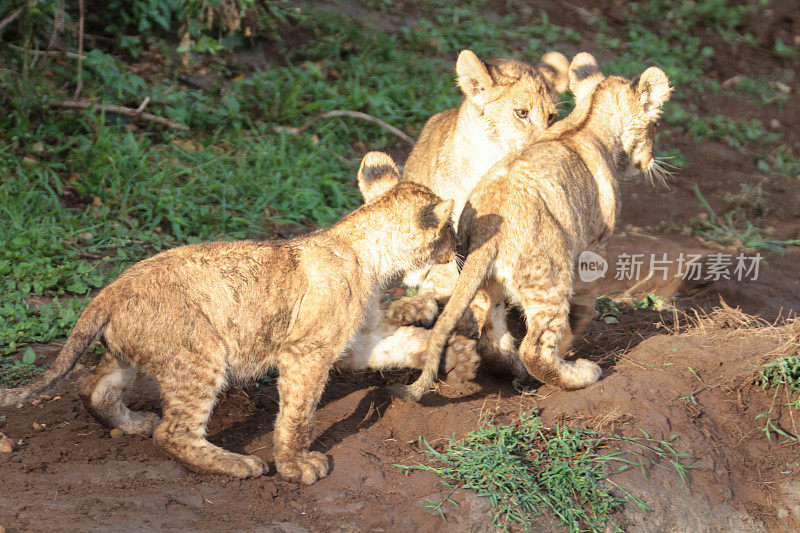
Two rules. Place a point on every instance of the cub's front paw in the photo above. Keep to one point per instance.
(241, 466)
(307, 468)
(413, 310)
(461, 360)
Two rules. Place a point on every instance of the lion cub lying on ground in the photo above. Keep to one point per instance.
(536, 211)
(506, 105)
(198, 317)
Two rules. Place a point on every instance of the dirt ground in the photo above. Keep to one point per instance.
(68, 473)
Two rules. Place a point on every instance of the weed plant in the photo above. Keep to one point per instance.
(526, 469)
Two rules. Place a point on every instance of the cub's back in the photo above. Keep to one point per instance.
(430, 150)
(542, 194)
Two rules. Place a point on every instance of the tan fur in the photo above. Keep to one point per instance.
(198, 317)
(535, 211)
(458, 146)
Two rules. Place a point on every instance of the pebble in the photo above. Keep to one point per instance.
(116, 433)
(6, 445)
(39, 427)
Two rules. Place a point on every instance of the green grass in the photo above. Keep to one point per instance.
(730, 230)
(654, 302)
(88, 193)
(526, 469)
(85, 194)
(783, 375)
(766, 90)
(782, 161)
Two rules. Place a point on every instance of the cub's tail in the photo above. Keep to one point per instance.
(469, 281)
(91, 322)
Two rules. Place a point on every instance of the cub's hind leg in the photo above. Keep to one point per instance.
(301, 380)
(496, 344)
(546, 308)
(102, 391)
(190, 383)
(580, 314)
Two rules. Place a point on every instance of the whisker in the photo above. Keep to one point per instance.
(660, 165)
(661, 173)
(665, 164)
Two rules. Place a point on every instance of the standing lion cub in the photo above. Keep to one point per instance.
(533, 214)
(507, 104)
(198, 317)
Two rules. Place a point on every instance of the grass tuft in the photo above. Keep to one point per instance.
(731, 230)
(527, 469)
(783, 375)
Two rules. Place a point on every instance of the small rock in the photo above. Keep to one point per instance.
(6, 445)
(775, 124)
(39, 427)
(116, 433)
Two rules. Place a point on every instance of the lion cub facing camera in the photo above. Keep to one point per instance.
(197, 317)
(535, 211)
(506, 105)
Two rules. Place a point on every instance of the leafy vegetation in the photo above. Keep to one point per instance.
(783, 375)
(781, 161)
(87, 192)
(732, 230)
(652, 301)
(527, 469)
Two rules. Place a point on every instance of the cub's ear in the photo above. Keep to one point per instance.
(584, 75)
(554, 67)
(443, 210)
(473, 76)
(376, 175)
(653, 90)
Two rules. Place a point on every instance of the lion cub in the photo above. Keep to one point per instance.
(537, 210)
(198, 317)
(506, 105)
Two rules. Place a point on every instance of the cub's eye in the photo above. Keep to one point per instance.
(521, 113)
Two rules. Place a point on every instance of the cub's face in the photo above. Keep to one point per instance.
(631, 106)
(520, 112)
(424, 224)
(516, 100)
(644, 98)
(419, 220)
(435, 224)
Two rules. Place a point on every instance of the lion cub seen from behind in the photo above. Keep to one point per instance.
(506, 105)
(536, 211)
(200, 316)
